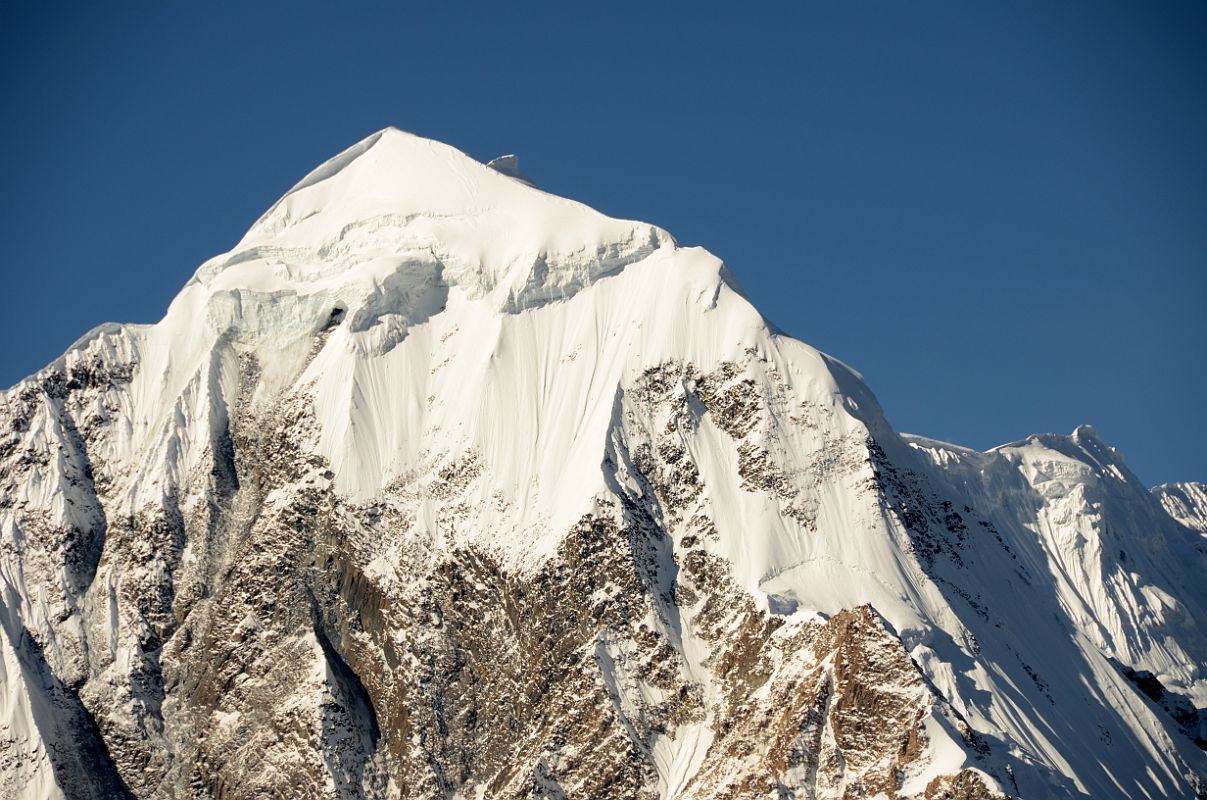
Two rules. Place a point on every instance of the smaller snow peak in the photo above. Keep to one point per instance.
(1185, 502)
(1083, 442)
(1082, 451)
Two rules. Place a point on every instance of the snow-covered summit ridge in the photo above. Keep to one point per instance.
(384, 229)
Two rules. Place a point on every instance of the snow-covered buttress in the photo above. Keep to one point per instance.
(438, 485)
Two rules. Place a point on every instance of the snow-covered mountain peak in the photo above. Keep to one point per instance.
(1083, 447)
(399, 235)
(439, 485)
(380, 233)
(1186, 502)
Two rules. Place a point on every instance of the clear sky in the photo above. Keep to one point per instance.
(996, 211)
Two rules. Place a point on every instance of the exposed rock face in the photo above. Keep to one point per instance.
(441, 487)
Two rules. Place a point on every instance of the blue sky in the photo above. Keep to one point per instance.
(996, 211)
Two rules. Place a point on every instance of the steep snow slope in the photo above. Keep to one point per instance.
(438, 485)
(1185, 502)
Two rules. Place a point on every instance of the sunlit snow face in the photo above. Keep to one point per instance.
(282, 293)
(378, 298)
(386, 228)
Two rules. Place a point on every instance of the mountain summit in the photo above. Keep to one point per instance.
(441, 486)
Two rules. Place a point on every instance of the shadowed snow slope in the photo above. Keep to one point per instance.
(437, 485)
